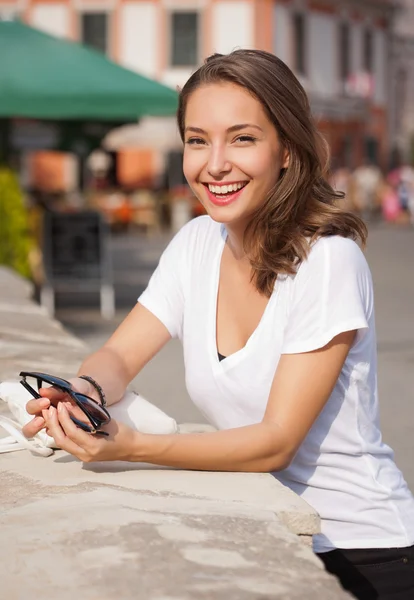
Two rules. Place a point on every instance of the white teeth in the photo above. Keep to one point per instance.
(225, 189)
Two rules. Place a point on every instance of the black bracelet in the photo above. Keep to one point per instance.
(97, 387)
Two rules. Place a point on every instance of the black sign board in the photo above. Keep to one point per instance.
(76, 257)
(76, 247)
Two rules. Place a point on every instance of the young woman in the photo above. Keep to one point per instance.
(272, 299)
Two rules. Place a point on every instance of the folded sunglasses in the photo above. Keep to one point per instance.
(96, 414)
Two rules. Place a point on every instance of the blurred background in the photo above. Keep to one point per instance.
(91, 183)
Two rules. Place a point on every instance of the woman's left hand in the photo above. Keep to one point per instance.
(89, 448)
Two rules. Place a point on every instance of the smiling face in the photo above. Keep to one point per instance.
(232, 153)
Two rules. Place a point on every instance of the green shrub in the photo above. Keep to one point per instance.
(15, 238)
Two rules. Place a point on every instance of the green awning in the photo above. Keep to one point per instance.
(44, 77)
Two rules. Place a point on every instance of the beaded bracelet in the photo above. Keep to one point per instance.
(97, 387)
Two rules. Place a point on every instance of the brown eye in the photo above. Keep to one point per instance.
(246, 139)
(195, 141)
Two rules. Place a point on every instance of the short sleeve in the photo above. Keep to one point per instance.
(165, 293)
(331, 293)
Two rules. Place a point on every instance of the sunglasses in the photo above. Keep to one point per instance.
(97, 415)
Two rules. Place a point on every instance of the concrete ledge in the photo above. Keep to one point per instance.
(29, 338)
(100, 541)
(255, 491)
(136, 531)
(15, 288)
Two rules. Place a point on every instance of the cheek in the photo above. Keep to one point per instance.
(191, 166)
(265, 167)
(187, 171)
(191, 173)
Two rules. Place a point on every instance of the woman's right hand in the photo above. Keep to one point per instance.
(52, 396)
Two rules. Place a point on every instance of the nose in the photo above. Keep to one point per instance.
(218, 163)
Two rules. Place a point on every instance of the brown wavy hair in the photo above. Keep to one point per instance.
(302, 206)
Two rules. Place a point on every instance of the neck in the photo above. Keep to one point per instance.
(234, 242)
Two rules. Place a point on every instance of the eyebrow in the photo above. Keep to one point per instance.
(231, 129)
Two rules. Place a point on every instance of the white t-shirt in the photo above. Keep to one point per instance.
(342, 469)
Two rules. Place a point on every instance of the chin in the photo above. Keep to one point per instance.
(226, 217)
(234, 213)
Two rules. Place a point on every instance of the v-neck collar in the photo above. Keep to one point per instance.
(235, 357)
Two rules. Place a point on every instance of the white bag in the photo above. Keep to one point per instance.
(132, 409)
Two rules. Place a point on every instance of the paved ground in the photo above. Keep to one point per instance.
(390, 253)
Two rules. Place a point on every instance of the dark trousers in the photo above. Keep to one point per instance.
(374, 574)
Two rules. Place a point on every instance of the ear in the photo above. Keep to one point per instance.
(285, 158)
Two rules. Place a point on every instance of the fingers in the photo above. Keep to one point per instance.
(48, 396)
(53, 394)
(65, 433)
(33, 427)
(34, 407)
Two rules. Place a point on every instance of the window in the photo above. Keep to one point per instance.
(94, 30)
(184, 39)
(299, 43)
(368, 51)
(344, 51)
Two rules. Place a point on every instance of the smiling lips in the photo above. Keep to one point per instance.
(222, 189)
(223, 194)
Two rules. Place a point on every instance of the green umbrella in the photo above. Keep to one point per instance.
(44, 77)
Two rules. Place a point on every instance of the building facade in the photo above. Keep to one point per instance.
(343, 63)
(339, 49)
(402, 83)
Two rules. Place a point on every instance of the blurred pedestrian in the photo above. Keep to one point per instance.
(391, 209)
(402, 180)
(273, 301)
(367, 180)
